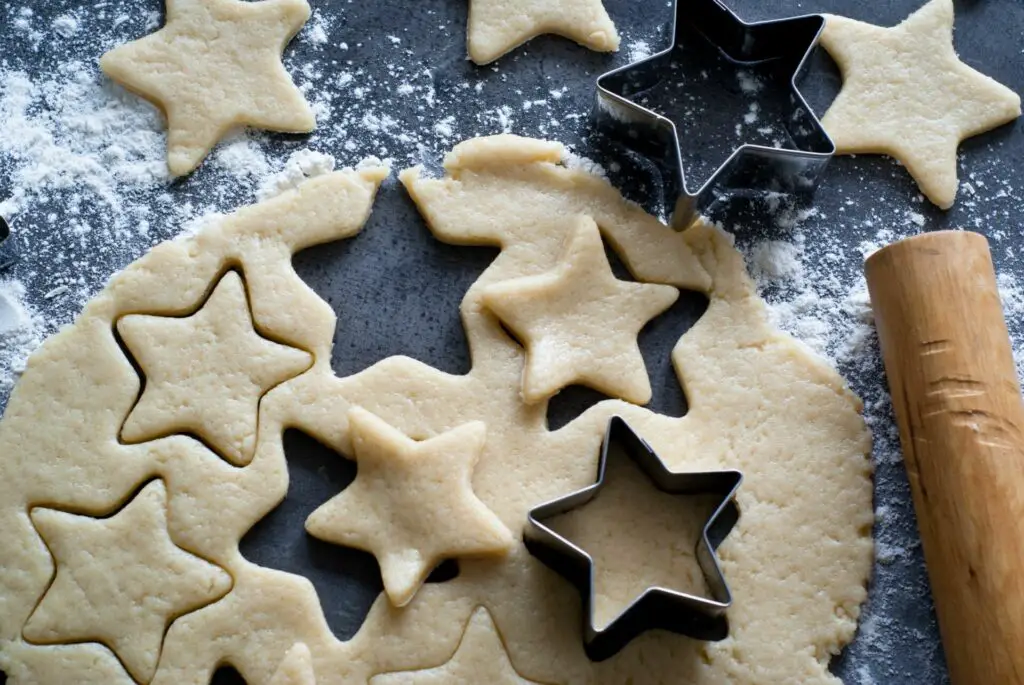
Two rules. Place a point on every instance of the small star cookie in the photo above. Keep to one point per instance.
(579, 323)
(498, 26)
(907, 94)
(214, 66)
(120, 581)
(480, 658)
(206, 373)
(412, 503)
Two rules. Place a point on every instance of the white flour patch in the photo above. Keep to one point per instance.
(21, 331)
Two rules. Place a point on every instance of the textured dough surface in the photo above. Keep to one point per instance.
(214, 66)
(907, 94)
(664, 556)
(498, 26)
(580, 323)
(797, 561)
(412, 503)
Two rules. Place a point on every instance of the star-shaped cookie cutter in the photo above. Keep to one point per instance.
(749, 167)
(8, 253)
(702, 618)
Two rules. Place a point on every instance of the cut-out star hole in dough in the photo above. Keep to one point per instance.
(579, 323)
(907, 94)
(480, 658)
(498, 26)
(412, 503)
(214, 66)
(120, 581)
(206, 373)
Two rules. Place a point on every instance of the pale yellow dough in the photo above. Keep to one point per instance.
(214, 66)
(907, 94)
(296, 668)
(206, 373)
(797, 561)
(412, 503)
(579, 323)
(498, 26)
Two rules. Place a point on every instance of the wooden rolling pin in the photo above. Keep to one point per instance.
(957, 399)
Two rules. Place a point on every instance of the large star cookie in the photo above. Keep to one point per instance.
(498, 26)
(214, 66)
(206, 373)
(579, 323)
(907, 94)
(411, 504)
(120, 580)
(480, 658)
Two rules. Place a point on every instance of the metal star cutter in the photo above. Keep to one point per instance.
(784, 45)
(702, 618)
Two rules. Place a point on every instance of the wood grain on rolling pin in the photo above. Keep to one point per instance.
(957, 400)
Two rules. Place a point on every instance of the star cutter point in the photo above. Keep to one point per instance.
(751, 167)
(701, 618)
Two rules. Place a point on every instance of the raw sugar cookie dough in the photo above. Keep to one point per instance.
(797, 562)
(499, 26)
(214, 66)
(907, 94)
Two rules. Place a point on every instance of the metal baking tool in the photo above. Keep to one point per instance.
(702, 618)
(8, 253)
(785, 43)
(957, 399)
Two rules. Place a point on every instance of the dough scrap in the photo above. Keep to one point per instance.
(411, 504)
(499, 26)
(580, 323)
(907, 94)
(107, 570)
(759, 402)
(480, 658)
(214, 66)
(206, 372)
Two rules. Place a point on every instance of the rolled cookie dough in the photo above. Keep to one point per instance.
(498, 26)
(797, 562)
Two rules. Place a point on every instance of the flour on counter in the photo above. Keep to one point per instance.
(21, 331)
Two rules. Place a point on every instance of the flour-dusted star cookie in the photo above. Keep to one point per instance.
(498, 26)
(480, 658)
(120, 581)
(907, 94)
(214, 66)
(412, 503)
(579, 323)
(206, 373)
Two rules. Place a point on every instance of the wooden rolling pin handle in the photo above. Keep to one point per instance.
(957, 400)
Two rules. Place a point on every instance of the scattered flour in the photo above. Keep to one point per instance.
(300, 166)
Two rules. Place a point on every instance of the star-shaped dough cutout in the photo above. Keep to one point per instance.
(412, 503)
(120, 581)
(579, 323)
(480, 658)
(206, 373)
(498, 26)
(214, 66)
(907, 94)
